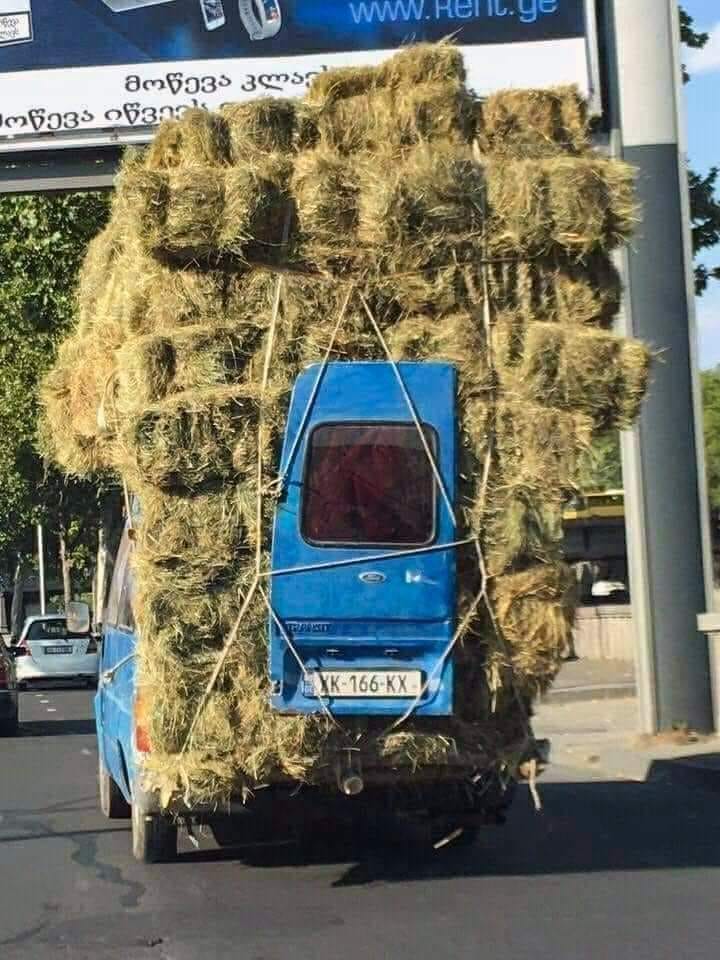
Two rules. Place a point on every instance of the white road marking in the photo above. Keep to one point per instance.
(44, 701)
(86, 752)
(51, 710)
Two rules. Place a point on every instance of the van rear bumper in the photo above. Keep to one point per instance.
(464, 773)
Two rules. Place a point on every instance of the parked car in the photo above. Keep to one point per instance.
(48, 650)
(8, 694)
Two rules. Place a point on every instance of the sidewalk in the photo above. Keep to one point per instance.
(593, 680)
(599, 738)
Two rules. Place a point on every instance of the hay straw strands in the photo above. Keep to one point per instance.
(422, 212)
(422, 63)
(398, 118)
(556, 289)
(533, 123)
(576, 205)
(268, 126)
(535, 610)
(186, 442)
(152, 366)
(192, 213)
(198, 139)
(591, 371)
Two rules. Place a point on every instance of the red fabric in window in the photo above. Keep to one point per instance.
(368, 484)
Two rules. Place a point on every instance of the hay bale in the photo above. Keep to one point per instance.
(592, 202)
(400, 118)
(185, 442)
(573, 368)
(266, 126)
(538, 452)
(555, 289)
(154, 366)
(339, 84)
(457, 338)
(422, 212)
(189, 545)
(518, 208)
(576, 205)
(422, 63)
(257, 216)
(326, 189)
(534, 123)
(191, 214)
(535, 610)
(63, 433)
(100, 258)
(183, 212)
(198, 139)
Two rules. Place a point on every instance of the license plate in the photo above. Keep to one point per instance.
(383, 684)
(52, 650)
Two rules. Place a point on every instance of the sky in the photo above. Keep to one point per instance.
(703, 118)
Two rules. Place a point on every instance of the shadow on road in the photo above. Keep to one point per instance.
(56, 728)
(583, 828)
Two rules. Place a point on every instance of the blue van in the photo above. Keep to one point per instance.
(362, 598)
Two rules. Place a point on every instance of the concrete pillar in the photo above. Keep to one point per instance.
(663, 458)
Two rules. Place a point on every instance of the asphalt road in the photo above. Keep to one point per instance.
(608, 870)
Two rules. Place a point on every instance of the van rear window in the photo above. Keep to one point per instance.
(369, 483)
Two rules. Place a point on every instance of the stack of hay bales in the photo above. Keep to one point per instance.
(478, 234)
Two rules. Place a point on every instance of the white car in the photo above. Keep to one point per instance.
(46, 650)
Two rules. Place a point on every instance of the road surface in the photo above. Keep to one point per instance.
(609, 870)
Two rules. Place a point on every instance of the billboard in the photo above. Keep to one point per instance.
(100, 72)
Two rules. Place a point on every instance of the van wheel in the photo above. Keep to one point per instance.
(112, 803)
(154, 837)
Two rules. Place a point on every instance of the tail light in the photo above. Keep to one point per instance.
(23, 649)
(141, 717)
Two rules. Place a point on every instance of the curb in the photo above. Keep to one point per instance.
(596, 691)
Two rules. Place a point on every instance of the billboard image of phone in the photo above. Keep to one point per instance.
(262, 18)
(213, 13)
(119, 6)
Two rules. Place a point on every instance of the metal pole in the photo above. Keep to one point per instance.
(663, 458)
(41, 567)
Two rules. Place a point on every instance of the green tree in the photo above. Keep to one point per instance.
(711, 423)
(42, 242)
(704, 205)
(601, 469)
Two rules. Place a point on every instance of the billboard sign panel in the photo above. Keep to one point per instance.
(81, 72)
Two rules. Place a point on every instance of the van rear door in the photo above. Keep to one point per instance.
(364, 523)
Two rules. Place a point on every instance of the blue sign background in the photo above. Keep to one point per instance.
(77, 33)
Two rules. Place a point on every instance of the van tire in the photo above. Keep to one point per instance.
(154, 837)
(112, 803)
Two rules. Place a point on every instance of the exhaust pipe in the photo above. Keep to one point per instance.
(349, 778)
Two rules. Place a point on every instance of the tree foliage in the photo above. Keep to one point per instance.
(42, 242)
(704, 206)
(711, 423)
(602, 469)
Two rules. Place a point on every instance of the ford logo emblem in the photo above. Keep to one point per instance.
(372, 576)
